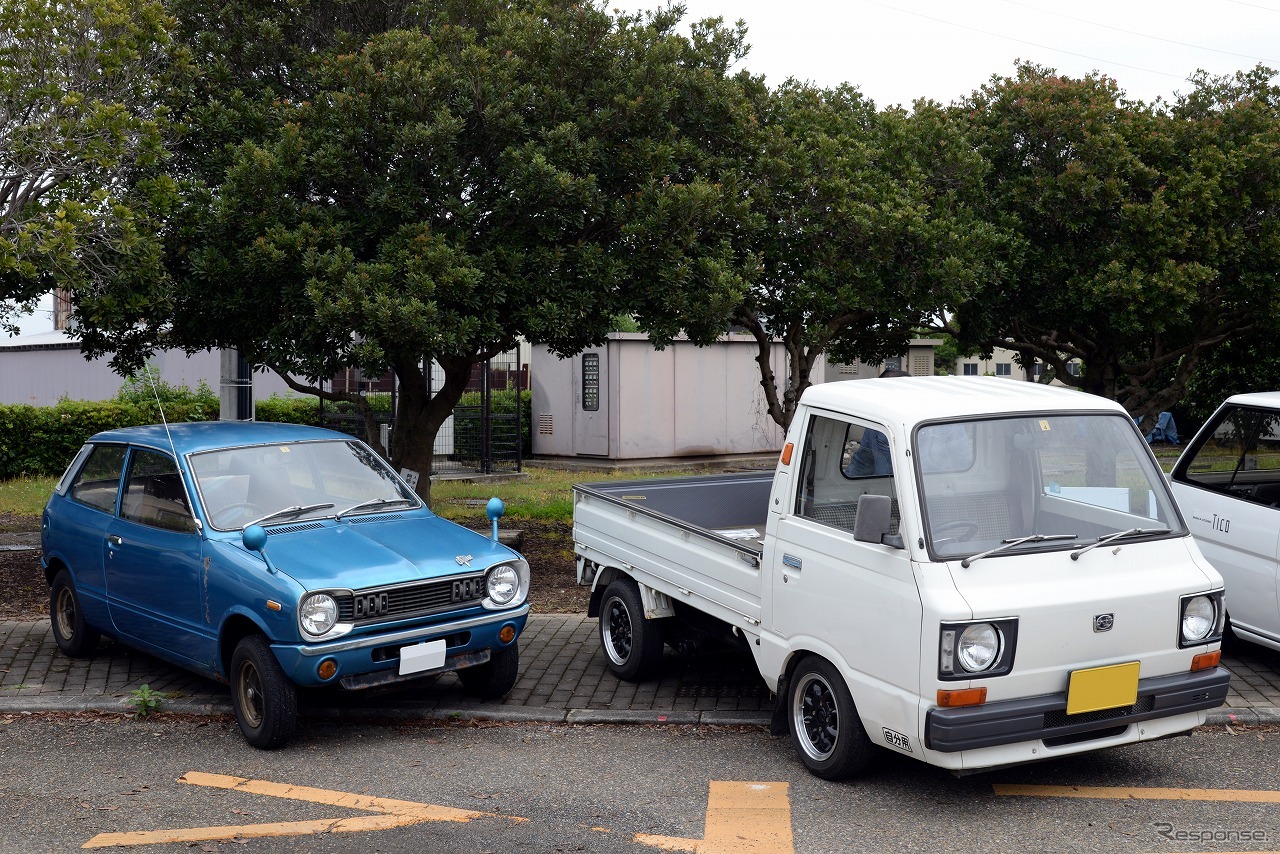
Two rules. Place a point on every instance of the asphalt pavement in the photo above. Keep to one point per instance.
(563, 678)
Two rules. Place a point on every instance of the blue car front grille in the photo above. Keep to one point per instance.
(381, 604)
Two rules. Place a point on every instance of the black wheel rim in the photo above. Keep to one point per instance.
(617, 627)
(65, 613)
(816, 717)
(249, 689)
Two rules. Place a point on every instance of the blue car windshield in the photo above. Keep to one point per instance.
(289, 482)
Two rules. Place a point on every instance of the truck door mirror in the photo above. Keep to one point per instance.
(873, 521)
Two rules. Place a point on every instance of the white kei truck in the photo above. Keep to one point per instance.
(970, 571)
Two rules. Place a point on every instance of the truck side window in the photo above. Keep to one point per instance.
(1241, 457)
(840, 463)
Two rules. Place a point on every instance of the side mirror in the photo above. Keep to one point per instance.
(875, 514)
(495, 510)
(254, 538)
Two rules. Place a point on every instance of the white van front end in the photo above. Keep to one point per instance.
(1065, 606)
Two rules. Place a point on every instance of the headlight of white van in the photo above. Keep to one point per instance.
(1202, 618)
(978, 648)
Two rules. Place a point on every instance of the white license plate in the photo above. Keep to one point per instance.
(421, 656)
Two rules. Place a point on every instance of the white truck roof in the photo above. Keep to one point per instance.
(910, 400)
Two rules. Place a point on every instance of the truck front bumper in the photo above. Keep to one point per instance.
(1046, 719)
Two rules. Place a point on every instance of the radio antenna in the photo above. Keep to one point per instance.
(155, 390)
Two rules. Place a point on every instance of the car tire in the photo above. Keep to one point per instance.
(825, 728)
(494, 679)
(264, 698)
(73, 635)
(632, 644)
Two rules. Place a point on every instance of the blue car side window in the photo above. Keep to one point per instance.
(154, 494)
(98, 482)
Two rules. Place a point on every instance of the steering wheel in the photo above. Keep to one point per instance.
(235, 512)
(968, 527)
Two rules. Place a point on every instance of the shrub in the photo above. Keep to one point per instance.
(289, 410)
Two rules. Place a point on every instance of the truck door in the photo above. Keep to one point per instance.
(855, 601)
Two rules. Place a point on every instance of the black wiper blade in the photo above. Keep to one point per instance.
(290, 511)
(372, 502)
(1118, 535)
(1005, 545)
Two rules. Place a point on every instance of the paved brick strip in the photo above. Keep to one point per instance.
(562, 678)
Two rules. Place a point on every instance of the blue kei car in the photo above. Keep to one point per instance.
(273, 556)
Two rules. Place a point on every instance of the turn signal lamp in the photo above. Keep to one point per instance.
(327, 669)
(1206, 660)
(786, 453)
(508, 634)
(961, 697)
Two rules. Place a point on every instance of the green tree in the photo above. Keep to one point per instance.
(866, 228)
(1149, 231)
(79, 80)
(378, 185)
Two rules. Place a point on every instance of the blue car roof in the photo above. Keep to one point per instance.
(187, 438)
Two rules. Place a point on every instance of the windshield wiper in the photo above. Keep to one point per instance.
(372, 502)
(1102, 541)
(289, 511)
(1005, 545)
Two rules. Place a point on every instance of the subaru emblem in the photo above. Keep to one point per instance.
(1104, 622)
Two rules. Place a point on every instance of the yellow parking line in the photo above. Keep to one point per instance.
(390, 813)
(742, 818)
(1141, 794)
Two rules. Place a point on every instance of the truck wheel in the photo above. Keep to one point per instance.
(825, 727)
(264, 698)
(73, 635)
(632, 644)
(495, 678)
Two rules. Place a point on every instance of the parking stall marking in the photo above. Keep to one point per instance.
(388, 813)
(1143, 794)
(742, 818)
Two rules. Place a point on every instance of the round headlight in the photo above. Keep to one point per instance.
(978, 647)
(1198, 619)
(318, 613)
(503, 584)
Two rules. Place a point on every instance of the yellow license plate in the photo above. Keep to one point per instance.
(1103, 688)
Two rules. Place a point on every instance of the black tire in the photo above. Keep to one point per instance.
(74, 636)
(494, 679)
(632, 644)
(264, 698)
(825, 728)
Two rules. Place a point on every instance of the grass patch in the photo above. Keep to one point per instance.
(25, 496)
(543, 494)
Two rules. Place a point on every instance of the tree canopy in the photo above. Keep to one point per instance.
(1148, 231)
(80, 82)
(439, 180)
(867, 226)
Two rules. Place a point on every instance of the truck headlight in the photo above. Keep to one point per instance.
(1201, 619)
(506, 585)
(318, 613)
(979, 648)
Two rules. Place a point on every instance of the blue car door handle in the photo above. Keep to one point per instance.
(114, 540)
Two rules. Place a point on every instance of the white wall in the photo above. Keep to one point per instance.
(40, 369)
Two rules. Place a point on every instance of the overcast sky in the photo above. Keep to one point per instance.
(896, 51)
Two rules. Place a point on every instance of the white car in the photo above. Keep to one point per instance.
(1228, 485)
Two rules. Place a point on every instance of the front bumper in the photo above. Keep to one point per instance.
(1046, 719)
(368, 660)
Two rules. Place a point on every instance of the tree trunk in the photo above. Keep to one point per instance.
(419, 416)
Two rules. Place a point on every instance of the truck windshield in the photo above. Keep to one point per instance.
(290, 482)
(1053, 482)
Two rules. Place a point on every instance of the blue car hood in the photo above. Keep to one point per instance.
(354, 554)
